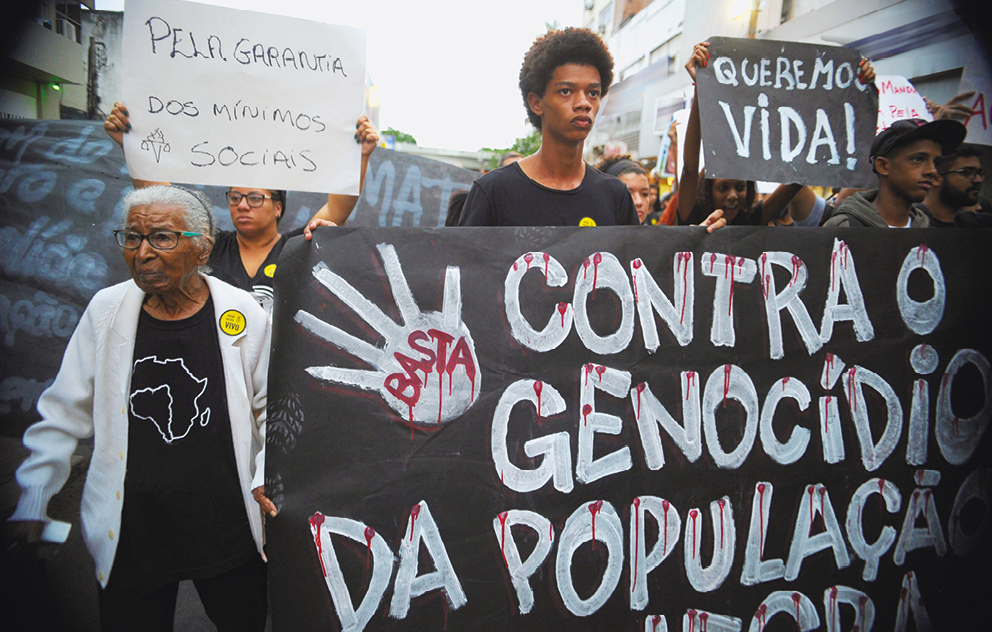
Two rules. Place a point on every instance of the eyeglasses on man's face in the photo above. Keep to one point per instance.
(159, 240)
(968, 172)
(255, 199)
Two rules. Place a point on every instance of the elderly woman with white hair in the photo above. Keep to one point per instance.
(167, 372)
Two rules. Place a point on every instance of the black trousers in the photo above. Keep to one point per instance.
(235, 602)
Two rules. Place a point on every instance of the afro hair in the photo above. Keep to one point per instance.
(557, 48)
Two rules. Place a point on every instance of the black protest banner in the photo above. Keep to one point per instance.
(505, 429)
(786, 112)
(61, 186)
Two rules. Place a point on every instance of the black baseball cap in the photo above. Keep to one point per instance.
(949, 134)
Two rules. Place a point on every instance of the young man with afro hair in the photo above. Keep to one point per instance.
(562, 81)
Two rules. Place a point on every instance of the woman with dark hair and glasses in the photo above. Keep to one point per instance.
(246, 257)
(167, 373)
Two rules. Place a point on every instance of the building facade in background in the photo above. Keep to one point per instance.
(41, 56)
(922, 40)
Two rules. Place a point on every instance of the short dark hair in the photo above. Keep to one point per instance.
(618, 165)
(704, 197)
(279, 195)
(557, 48)
(963, 151)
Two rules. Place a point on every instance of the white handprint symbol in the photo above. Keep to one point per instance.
(425, 343)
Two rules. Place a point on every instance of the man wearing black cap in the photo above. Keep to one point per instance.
(904, 158)
(958, 187)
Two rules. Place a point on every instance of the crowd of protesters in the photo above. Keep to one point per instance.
(926, 177)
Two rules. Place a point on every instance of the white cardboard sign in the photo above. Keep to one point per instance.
(238, 98)
(898, 99)
(977, 77)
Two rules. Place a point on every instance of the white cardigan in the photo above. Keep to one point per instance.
(89, 397)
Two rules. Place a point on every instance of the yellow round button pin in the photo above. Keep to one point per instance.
(270, 270)
(587, 221)
(232, 322)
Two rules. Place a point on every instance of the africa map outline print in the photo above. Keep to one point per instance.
(168, 435)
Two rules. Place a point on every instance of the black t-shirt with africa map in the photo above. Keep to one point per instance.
(225, 260)
(507, 197)
(184, 511)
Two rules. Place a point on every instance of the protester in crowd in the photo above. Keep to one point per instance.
(653, 205)
(957, 187)
(633, 176)
(563, 78)
(904, 157)
(455, 204)
(509, 158)
(168, 495)
(246, 257)
(700, 196)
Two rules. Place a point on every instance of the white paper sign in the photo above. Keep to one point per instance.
(237, 98)
(898, 99)
(977, 77)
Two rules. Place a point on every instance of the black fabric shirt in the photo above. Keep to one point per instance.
(184, 513)
(962, 219)
(507, 197)
(226, 264)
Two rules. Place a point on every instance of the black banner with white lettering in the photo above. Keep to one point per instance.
(61, 186)
(786, 112)
(529, 429)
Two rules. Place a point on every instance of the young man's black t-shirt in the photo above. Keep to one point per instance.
(507, 197)
(226, 264)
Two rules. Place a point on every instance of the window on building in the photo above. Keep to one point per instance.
(68, 21)
(606, 18)
(786, 10)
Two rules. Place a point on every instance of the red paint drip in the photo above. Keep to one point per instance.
(551, 532)
(316, 521)
(690, 380)
(796, 598)
(693, 514)
(826, 414)
(726, 382)
(921, 254)
(514, 266)
(796, 265)
(637, 539)
(823, 494)
(833, 603)
(919, 389)
(594, 508)
(665, 505)
(833, 260)
(547, 260)
(655, 620)
(703, 617)
(585, 267)
(635, 289)
(810, 490)
(761, 516)
(600, 370)
(731, 269)
(765, 279)
(685, 281)
(586, 409)
(369, 534)
(759, 614)
(562, 308)
(844, 250)
(640, 389)
(414, 512)
(722, 503)
(440, 393)
(596, 260)
(527, 259)
(538, 387)
(830, 364)
(502, 537)
(862, 605)
(785, 381)
(851, 393)
(692, 619)
(926, 505)
(712, 261)
(588, 371)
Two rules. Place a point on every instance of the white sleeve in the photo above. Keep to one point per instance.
(815, 214)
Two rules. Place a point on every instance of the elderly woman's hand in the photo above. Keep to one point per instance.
(22, 532)
(267, 506)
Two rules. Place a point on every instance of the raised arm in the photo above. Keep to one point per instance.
(118, 124)
(689, 179)
(338, 208)
(778, 199)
